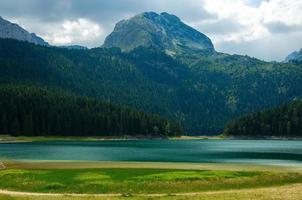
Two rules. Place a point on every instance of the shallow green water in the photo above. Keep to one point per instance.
(272, 152)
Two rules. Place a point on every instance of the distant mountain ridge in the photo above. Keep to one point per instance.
(163, 31)
(10, 30)
(295, 56)
(79, 47)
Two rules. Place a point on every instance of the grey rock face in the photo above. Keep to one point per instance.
(14, 31)
(164, 31)
(295, 56)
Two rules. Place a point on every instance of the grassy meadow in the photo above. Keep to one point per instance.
(137, 180)
(143, 182)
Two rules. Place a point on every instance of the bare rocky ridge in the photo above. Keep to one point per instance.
(14, 31)
(295, 56)
(163, 31)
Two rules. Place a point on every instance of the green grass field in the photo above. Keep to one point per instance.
(128, 181)
(135, 180)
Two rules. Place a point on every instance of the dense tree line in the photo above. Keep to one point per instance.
(283, 121)
(38, 111)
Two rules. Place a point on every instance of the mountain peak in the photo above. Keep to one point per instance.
(170, 17)
(10, 30)
(163, 31)
(153, 16)
(149, 15)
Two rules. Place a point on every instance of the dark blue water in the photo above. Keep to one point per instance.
(271, 152)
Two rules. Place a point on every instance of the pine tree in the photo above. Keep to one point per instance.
(289, 128)
(15, 128)
(28, 126)
(3, 124)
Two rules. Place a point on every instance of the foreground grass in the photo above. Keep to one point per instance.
(138, 181)
(289, 192)
(31, 164)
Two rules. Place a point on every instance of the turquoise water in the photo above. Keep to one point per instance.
(272, 152)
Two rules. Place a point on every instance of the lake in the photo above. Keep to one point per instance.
(268, 152)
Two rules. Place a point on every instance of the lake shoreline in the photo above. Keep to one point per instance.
(22, 139)
(263, 138)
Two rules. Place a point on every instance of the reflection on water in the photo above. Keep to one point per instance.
(227, 151)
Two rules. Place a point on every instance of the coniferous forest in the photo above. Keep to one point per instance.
(282, 121)
(32, 111)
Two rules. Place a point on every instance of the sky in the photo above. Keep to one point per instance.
(265, 29)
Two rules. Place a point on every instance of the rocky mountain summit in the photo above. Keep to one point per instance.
(163, 31)
(14, 31)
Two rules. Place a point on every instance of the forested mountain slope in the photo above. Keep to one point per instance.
(104, 73)
(203, 95)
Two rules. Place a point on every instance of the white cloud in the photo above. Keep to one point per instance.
(288, 12)
(242, 12)
(244, 22)
(70, 32)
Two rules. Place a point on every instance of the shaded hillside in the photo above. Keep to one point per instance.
(283, 121)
